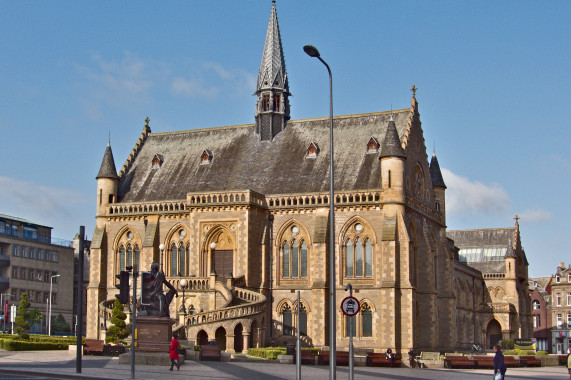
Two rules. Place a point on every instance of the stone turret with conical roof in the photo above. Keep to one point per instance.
(392, 170)
(272, 90)
(438, 187)
(107, 182)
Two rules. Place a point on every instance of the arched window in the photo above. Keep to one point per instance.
(174, 260)
(349, 258)
(366, 321)
(122, 258)
(302, 324)
(287, 321)
(358, 258)
(182, 260)
(285, 260)
(303, 259)
(137, 256)
(129, 255)
(294, 259)
(294, 253)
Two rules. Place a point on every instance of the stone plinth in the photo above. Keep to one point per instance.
(154, 334)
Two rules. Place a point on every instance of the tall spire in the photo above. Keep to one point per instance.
(272, 106)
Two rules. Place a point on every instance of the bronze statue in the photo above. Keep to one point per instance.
(153, 301)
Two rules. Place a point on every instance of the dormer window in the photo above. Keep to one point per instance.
(312, 150)
(557, 279)
(157, 161)
(206, 157)
(373, 146)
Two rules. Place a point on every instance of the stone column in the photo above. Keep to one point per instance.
(246, 346)
(230, 344)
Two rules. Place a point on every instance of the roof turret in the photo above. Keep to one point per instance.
(108, 169)
(272, 73)
(435, 173)
(391, 145)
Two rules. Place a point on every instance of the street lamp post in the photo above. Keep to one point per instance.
(50, 302)
(183, 285)
(313, 52)
(162, 248)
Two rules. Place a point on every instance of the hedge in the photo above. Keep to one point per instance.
(20, 345)
(272, 353)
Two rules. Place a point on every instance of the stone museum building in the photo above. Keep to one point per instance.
(238, 218)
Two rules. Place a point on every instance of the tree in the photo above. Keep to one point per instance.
(34, 317)
(61, 325)
(22, 317)
(118, 330)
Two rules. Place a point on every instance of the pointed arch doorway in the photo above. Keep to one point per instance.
(221, 255)
(493, 333)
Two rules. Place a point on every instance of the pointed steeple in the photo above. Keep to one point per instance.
(391, 145)
(435, 173)
(272, 106)
(108, 169)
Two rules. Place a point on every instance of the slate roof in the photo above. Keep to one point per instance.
(107, 169)
(391, 146)
(435, 173)
(482, 238)
(241, 161)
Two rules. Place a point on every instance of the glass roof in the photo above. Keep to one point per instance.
(468, 255)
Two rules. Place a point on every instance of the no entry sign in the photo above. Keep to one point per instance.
(350, 306)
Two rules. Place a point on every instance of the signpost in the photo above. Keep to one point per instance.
(350, 307)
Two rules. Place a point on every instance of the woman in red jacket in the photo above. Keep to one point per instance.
(173, 354)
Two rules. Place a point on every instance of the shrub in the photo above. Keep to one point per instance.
(118, 330)
(507, 343)
(270, 353)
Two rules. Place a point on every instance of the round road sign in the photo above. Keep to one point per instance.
(350, 306)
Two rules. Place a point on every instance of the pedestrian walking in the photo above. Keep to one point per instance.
(499, 365)
(173, 353)
(569, 364)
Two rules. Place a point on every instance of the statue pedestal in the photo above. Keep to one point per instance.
(154, 334)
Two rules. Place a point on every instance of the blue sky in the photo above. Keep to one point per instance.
(493, 79)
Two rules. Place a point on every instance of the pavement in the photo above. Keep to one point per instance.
(62, 365)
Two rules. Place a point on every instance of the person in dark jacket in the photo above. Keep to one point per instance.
(173, 354)
(499, 365)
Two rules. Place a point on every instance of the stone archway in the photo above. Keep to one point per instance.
(254, 335)
(238, 338)
(220, 336)
(201, 337)
(493, 333)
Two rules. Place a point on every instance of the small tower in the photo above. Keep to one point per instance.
(272, 90)
(107, 182)
(392, 168)
(438, 187)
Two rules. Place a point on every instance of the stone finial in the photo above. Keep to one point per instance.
(414, 89)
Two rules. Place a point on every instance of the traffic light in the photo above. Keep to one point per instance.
(123, 287)
(146, 278)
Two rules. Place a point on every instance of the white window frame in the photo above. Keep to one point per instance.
(558, 297)
(536, 305)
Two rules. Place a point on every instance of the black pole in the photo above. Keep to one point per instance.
(79, 311)
(134, 320)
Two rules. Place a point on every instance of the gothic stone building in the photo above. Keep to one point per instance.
(240, 213)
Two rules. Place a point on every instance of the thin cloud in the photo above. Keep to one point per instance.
(189, 87)
(464, 195)
(41, 204)
(534, 216)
